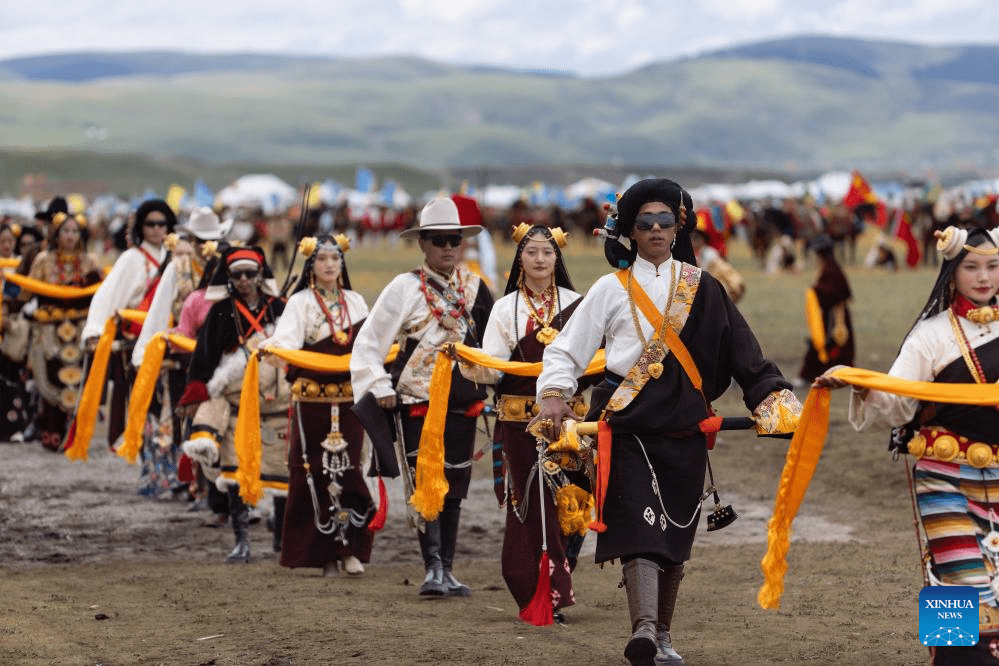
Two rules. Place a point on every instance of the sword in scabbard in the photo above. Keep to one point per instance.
(727, 423)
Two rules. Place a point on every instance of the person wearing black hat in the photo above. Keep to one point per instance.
(131, 284)
(328, 508)
(674, 343)
(437, 303)
(831, 330)
(247, 303)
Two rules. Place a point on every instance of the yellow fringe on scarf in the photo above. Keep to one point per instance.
(816, 325)
(431, 486)
(575, 509)
(86, 414)
(43, 288)
(247, 435)
(145, 386)
(806, 448)
(141, 396)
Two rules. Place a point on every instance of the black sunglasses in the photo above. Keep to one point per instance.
(646, 221)
(249, 275)
(155, 223)
(443, 240)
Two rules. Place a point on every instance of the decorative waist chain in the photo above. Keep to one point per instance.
(307, 390)
(935, 443)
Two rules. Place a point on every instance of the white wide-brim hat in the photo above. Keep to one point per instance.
(440, 215)
(204, 224)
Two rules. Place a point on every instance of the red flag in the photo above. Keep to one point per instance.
(901, 228)
(860, 192)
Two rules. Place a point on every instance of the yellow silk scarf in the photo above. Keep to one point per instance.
(247, 436)
(816, 325)
(431, 486)
(806, 448)
(43, 288)
(82, 428)
(144, 387)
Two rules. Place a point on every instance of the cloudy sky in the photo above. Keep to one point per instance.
(582, 36)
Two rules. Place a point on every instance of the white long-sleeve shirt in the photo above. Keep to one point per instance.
(929, 349)
(162, 305)
(303, 321)
(400, 311)
(605, 312)
(500, 337)
(123, 287)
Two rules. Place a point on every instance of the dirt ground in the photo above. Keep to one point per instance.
(93, 573)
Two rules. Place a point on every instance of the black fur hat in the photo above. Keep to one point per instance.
(642, 192)
(145, 209)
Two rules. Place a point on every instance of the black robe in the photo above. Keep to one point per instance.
(664, 417)
(831, 289)
(302, 544)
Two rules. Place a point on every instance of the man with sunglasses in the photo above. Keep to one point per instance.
(131, 284)
(674, 343)
(181, 276)
(437, 303)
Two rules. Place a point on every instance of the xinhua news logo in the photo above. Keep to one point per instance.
(948, 615)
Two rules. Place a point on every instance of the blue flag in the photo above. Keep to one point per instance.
(202, 194)
(365, 180)
(388, 192)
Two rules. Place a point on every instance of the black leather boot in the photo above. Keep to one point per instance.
(641, 582)
(449, 518)
(239, 513)
(669, 585)
(277, 522)
(430, 547)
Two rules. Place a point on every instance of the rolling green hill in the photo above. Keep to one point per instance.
(806, 103)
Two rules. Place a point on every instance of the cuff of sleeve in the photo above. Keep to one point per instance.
(778, 414)
(195, 393)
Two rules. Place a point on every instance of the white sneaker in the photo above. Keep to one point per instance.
(17, 437)
(353, 566)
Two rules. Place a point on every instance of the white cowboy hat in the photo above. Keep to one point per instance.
(440, 215)
(204, 224)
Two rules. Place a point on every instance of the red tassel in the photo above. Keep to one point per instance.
(70, 437)
(538, 610)
(185, 470)
(378, 522)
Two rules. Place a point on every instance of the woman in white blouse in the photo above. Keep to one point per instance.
(956, 474)
(329, 504)
(539, 300)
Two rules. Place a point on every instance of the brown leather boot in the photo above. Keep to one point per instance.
(669, 585)
(641, 582)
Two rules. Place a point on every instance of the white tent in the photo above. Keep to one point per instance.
(264, 191)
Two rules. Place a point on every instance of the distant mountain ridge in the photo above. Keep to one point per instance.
(808, 102)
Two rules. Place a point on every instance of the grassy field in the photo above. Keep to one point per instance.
(884, 304)
(94, 573)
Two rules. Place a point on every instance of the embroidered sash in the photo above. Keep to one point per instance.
(638, 376)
